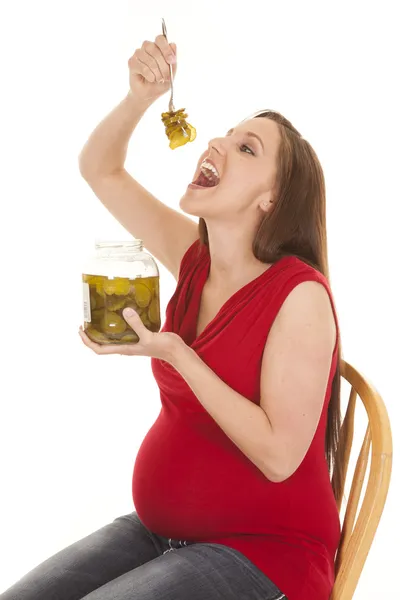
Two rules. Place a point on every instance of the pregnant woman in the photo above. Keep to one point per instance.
(235, 484)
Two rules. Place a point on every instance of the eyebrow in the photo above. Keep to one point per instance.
(250, 134)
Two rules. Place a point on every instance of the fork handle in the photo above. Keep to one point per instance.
(171, 102)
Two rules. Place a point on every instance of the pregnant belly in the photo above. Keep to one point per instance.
(189, 481)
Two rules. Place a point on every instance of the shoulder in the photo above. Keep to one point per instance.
(307, 306)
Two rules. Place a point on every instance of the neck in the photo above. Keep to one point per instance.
(232, 258)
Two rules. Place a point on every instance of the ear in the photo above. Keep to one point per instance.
(265, 201)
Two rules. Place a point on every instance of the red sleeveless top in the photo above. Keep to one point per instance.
(191, 482)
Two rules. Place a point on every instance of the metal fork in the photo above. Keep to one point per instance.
(171, 102)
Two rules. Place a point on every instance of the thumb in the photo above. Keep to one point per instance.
(133, 319)
(174, 65)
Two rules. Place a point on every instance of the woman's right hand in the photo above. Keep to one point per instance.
(149, 76)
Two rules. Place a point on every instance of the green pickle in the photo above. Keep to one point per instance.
(177, 129)
(109, 297)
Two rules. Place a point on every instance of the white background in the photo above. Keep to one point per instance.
(72, 422)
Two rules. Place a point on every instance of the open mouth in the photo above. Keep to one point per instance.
(208, 176)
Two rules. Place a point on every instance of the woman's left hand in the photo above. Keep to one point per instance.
(156, 345)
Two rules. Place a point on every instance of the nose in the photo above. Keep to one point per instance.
(219, 145)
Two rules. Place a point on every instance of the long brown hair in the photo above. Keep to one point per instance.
(297, 226)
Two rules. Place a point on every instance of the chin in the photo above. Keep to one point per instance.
(191, 204)
(185, 204)
(198, 203)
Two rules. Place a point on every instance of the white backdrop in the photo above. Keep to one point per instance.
(72, 422)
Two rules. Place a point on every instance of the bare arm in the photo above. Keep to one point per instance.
(276, 434)
(165, 232)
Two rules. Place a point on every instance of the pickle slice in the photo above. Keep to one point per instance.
(93, 300)
(142, 294)
(130, 338)
(145, 320)
(100, 289)
(180, 139)
(117, 286)
(97, 315)
(154, 312)
(96, 336)
(112, 323)
(115, 302)
(178, 131)
(92, 279)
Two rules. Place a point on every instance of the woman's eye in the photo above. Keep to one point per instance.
(248, 149)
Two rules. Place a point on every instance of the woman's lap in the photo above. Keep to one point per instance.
(124, 561)
(87, 564)
(196, 572)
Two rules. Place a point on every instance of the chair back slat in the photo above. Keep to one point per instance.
(358, 531)
(346, 436)
(355, 493)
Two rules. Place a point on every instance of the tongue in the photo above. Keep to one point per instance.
(204, 181)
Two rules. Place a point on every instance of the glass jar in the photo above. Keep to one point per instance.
(120, 274)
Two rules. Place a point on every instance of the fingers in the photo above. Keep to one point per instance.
(133, 319)
(97, 348)
(152, 60)
(156, 59)
(168, 50)
(108, 349)
(141, 68)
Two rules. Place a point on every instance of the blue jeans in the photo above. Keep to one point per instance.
(125, 561)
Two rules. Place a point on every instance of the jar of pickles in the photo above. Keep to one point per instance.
(120, 274)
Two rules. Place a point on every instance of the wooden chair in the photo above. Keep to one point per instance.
(357, 535)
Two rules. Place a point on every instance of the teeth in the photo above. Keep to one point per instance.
(206, 167)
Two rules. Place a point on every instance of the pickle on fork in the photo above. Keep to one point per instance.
(178, 131)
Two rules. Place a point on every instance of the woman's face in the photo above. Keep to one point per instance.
(245, 161)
